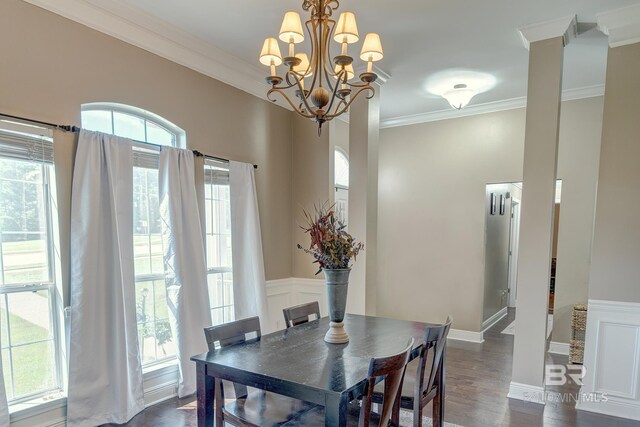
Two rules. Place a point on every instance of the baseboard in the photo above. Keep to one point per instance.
(468, 336)
(160, 393)
(610, 407)
(527, 393)
(494, 319)
(559, 348)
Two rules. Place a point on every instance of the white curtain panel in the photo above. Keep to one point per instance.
(249, 293)
(186, 270)
(4, 409)
(105, 372)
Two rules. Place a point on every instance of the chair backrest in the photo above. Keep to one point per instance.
(391, 368)
(231, 333)
(433, 350)
(300, 313)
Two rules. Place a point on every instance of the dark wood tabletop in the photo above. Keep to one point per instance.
(297, 362)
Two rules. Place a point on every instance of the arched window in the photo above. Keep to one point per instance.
(156, 342)
(341, 181)
(341, 168)
(132, 122)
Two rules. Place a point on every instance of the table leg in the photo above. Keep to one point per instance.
(335, 410)
(205, 395)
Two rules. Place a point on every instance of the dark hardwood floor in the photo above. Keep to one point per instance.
(478, 377)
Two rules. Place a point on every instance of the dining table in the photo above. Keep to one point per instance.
(298, 363)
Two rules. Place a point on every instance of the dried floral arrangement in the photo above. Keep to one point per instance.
(331, 245)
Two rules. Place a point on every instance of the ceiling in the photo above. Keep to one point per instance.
(421, 38)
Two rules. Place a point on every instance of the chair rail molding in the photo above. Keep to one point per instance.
(558, 348)
(611, 384)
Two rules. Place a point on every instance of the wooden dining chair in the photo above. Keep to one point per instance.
(299, 314)
(249, 409)
(425, 377)
(391, 369)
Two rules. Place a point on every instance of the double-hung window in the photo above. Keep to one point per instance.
(30, 334)
(144, 128)
(218, 232)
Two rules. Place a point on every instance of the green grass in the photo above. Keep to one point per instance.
(33, 364)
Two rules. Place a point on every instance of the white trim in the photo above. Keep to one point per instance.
(41, 414)
(558, 348)
(160, 393)
(488, 107)
(615, 306)
(527, 393)
(131, 25)
(621, 25)
(494, 319)
(565, 27)
(468, 336)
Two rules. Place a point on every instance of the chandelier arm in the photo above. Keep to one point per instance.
(312, 64)
(353, 98)
(341, 103)
(328, 72)
(286, 98)
(329, 56)
(341, 75)
(328, 8)
(304, 98)
(358, 85)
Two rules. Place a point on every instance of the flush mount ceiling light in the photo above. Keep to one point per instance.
(458, 85)
(330, 92)
(459, 96)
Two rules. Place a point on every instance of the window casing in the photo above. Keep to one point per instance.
(218, 241)
(31, 345)
(144, 128)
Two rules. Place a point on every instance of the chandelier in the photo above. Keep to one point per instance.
(331, 89)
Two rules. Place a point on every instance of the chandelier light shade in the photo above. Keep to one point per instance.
(348, 68)
(459, 96)
(329, 91)
(303, 68)
(346, 30)
(270, 54)
(291, 29)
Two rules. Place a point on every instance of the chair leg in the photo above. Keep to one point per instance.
(417, 413)
(395, 412)
(438, 400)
(219, 402)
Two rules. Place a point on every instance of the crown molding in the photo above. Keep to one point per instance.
(131, 25)
(118, 19)
(621, 25)
(566, 27)
(489, 107)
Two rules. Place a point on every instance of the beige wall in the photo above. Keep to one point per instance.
(53, 65)
(578, 154)
(311, 186)
(431, 206)
(615, 270)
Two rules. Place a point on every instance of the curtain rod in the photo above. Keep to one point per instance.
(66, 128)
(206, 156)
(72, 128)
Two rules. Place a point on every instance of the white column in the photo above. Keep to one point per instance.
(546, 43)
(612, 344)
(364, 128)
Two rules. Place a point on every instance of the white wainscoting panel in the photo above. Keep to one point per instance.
(612, 360)
(283, 293)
